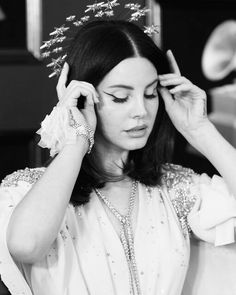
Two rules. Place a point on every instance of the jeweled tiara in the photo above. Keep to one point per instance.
(55, 48)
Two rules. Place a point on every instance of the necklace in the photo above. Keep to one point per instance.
(126, 236)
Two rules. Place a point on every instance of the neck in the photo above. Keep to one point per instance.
(111, 160)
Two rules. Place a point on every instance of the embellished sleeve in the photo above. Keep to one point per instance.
(12, 190)
(214, 222)
(178, 182)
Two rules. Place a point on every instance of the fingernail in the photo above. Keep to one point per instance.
(66, 65)
(163, 82)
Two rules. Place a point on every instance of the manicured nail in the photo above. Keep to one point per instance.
(163, 83)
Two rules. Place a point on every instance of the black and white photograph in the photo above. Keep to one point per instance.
(117, 147)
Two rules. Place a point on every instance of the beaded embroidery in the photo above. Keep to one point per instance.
(178, 181)
(126, 237)
(29, 175)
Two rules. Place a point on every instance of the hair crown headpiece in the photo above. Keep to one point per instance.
(54, 48)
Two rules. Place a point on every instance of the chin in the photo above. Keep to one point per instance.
(136, 144)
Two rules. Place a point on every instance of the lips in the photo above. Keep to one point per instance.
(137, 128)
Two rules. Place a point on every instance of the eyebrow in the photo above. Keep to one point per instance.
(130, 87)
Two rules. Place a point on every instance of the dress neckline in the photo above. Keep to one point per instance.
(108, 220)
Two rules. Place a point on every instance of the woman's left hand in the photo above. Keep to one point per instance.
(185, 102)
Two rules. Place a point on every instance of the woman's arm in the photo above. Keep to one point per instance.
(186, 106)
(36, 220)
(217, 150)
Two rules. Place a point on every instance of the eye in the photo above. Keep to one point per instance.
(151, 96)
(118, 99)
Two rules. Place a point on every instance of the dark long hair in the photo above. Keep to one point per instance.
(96, 49)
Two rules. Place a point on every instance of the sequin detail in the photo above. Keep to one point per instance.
(29, 175)
(178, 181)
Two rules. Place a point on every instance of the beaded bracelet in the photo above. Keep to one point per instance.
(82, 130)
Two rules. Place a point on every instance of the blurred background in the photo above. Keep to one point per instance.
(27, 94)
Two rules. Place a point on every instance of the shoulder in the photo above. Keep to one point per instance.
(179, 183)
(174, 176)
(15, 186)
(27, 175)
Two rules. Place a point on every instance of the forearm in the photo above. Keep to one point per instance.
(36, 220)
(218, 151)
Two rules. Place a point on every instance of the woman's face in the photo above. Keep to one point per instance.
(128, 105)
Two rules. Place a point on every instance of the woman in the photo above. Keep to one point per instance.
(116, 220)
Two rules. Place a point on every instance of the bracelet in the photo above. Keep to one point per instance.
(82, 130)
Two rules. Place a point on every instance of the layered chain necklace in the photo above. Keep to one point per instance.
(126, 236)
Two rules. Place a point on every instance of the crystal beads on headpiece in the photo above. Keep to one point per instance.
(55, 48)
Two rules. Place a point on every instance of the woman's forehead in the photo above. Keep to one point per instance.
(131, 72)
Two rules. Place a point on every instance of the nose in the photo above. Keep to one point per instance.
(139, 107)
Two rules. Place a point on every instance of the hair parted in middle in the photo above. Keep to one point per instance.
(96, 49)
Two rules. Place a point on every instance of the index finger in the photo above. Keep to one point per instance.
(61, 84)
(172, 62)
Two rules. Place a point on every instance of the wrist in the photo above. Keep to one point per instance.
(80, 147)
(201, 137)
(83, 131)
(57, 132)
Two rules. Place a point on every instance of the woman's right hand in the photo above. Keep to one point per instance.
(68, 97)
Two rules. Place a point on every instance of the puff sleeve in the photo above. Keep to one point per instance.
(212, 265)
(217, 212)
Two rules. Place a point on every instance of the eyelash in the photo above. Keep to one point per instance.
(122, 100)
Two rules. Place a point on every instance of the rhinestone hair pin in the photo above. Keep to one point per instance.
(55, 47)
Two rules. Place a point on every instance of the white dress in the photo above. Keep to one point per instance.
(87, 258)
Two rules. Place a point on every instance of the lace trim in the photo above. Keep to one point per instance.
(178, 181)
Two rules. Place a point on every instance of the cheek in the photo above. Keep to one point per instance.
(109, 120)
(153, 108)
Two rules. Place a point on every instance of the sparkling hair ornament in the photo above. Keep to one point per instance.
(55, 48)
